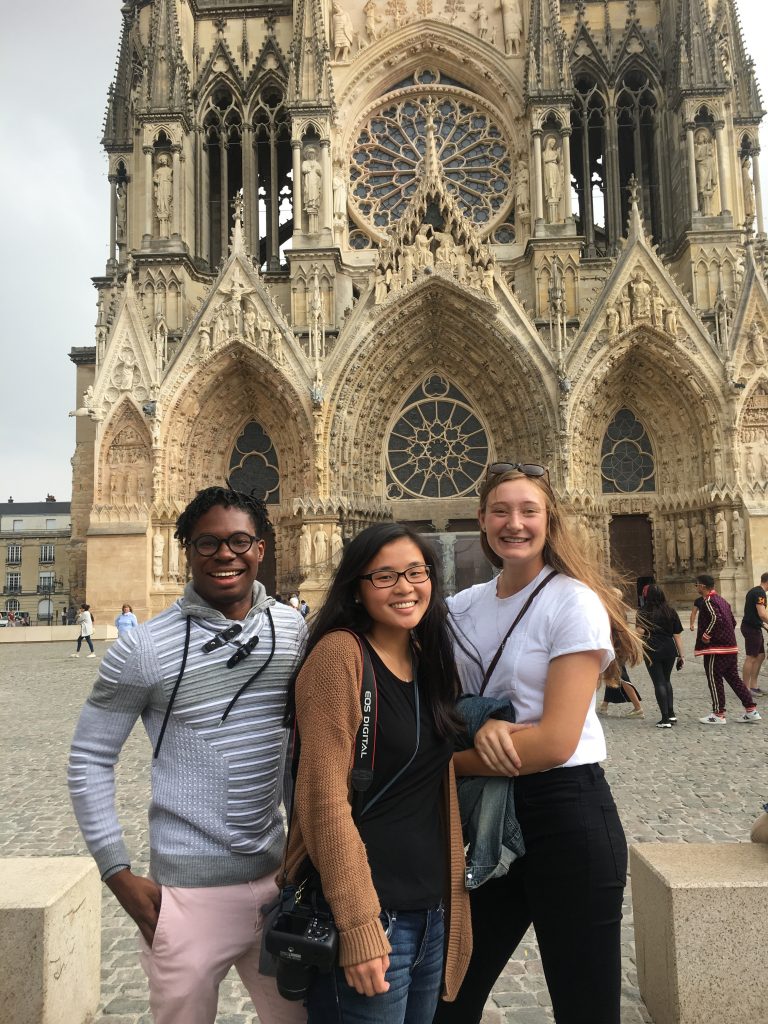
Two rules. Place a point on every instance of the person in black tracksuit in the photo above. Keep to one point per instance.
(662, 629)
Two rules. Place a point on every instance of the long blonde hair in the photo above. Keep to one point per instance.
(563, 553)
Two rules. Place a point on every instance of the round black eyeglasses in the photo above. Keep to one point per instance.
(207, 545)
(383, 578)
(527, 468)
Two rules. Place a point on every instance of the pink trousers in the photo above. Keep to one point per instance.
(201, 934)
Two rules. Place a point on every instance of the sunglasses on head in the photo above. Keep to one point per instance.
(526, 468)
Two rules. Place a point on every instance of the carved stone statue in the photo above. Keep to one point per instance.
(407, 265)
(522, 193)
(739, 538)
(205, 337)
(121, 212)
(640, 291)
(706, 174)
(480, 15)
(721, 537)
(343, 32)
(764, 464)
(756, 348)
(380, 290)
(305, 547)
(320, 544)
(699, 535)
(625, 310)
(657, 307)
(125, 370)
(553, 178)
(311, 181)
(173, 561)
(337, 546)
(163, 189)
(669, 544)
(423, 243)
(611, 321)
(372, 20)
(683, 535)
(339, 184)
(158, 547)
(750, 470)
(748, 188)
(670, 324)
(512, 23)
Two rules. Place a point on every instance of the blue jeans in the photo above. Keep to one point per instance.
(415, 975)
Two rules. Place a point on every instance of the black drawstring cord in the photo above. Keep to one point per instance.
(175, 687)
(257, 673)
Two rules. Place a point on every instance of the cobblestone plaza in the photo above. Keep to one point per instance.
(690, 784)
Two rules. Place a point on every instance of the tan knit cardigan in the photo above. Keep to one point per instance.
(328, 715)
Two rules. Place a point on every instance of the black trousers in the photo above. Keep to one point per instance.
(660, 670)
(569, 885)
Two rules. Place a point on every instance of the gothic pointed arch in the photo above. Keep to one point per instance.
(124, 471)
(627, 463)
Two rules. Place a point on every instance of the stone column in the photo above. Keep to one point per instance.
(613, 220)
(176, 211)
(247, 151)
(758, 191)
(112, 217)
(326, 207)
(224, 196)
(567, 203)
(538, 194)
(297, 210)
(205, 205)
(254, 182)
(274, 224)
(723, 170)
(692, 168)
(148, 190)
(448, 561)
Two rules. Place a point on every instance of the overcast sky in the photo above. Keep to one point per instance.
(56, 62)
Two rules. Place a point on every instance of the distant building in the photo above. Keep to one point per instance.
(35, 540)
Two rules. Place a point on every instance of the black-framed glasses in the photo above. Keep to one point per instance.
(383, 578)
(238, 543)
(526, 468)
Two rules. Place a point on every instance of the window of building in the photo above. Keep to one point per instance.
(627, 457)
(18, 524)
(13, 583)
(50, 524)
(46, 582)
(253, 467)
(13, 557)
(47, 552)
(13, 604)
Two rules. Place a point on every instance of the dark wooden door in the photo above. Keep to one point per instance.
(632, 549)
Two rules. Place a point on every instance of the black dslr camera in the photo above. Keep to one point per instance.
(303, 940)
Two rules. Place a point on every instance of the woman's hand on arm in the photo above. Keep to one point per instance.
(494, 752)
(368, 979)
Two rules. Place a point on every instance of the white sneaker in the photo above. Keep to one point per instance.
(74, 655)
(713, 719)
(91, 655)
(749, 716)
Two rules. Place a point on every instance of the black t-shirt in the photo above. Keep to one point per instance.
(661, 633)
(405, 832)
(755, 597)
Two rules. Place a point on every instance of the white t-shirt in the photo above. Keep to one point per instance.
(565, 617)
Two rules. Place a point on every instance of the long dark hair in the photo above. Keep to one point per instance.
(432, 639)
(657, 611)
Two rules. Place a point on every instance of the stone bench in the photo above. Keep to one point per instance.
(50, 940)
(701, 931)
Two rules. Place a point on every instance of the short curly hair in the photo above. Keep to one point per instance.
(226, 497)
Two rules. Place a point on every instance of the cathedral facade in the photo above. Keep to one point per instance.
(359, 249)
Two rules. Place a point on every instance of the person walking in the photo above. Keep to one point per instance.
(389, 861)
(716, 645)
(126, 621)
(539, 635)
(754, 621)
(85, 621)
(208, 677)
(660, 624)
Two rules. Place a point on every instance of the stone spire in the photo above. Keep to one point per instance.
(126, 87)
(167, 71)
(310, 78)
(696, 65)
(548, 72)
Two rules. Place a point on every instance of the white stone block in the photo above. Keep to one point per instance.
(50, 940)
(701, 930)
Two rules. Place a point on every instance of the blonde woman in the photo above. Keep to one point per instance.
(539, 635)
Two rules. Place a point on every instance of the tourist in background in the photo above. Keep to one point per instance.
(660, 625)
(126, 621)
(753, 622)
(85, 621)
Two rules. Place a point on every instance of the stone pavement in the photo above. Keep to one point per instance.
(694, 783)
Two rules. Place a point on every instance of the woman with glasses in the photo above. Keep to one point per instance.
(389, 861)
(539, 635)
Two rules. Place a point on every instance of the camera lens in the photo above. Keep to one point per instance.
(293, 980)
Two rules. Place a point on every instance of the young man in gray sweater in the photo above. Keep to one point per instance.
(208, 678)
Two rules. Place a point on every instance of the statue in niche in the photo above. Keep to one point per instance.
(748, 188)
(339, 184)
(141, 489)
(125, 370)
(305, 547)
(343, 32)
(276, 345)
(721, 537)
(423, 243)
(158, 547)
(612, 321)
(522, 194)
(249, 324)
(670, 321)
(657, 307)
(220, 326)
(444, 250)
(337, 546)
(88, 398)
(205, 337)
(407, 265)
(625, 310)
(372, 20)
(379, 287)
(488, 281)
(320, 544)
(699, 536)
(460, 263)
(750, 470)
(265, 328)
(512, 23)
(480, 15)
(121, 212)
(764, 464)
(640, 290)
(553, 178)
(739, 538)
(683, 535)
(163, 190)
(756, 348)
(706, 179)
(669, 544)
(114, 492)
(311, 181)
(173, 560)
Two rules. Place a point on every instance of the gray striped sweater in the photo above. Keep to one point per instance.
(214, 818)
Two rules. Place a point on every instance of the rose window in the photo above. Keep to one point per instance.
(471, 146)
(627, 458)
(253, 466)
(438, 448)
